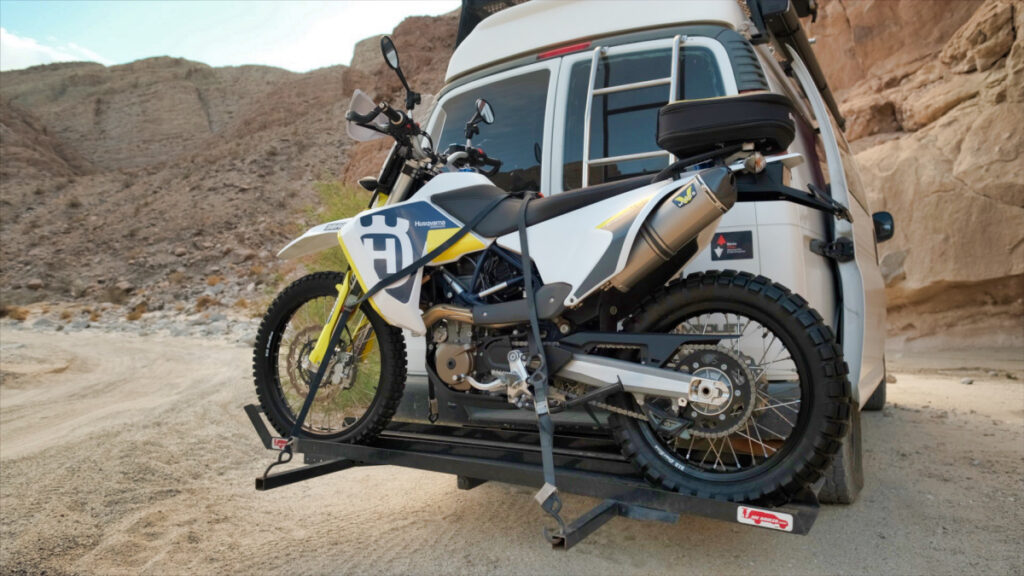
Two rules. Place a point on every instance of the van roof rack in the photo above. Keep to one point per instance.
(776, 22)
(474, 12)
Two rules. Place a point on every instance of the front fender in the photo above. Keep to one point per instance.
(315, 239)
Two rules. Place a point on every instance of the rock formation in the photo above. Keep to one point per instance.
(937, 119)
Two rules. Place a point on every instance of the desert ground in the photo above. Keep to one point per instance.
(123, 453)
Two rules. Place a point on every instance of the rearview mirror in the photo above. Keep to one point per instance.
(484, 114)
(483, 109)
(387, 48)
(885, 227)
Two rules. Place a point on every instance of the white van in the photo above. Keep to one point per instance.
(576, 86)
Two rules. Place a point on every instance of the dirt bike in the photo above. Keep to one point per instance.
(722, 385)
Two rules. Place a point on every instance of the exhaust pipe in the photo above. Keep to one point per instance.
(440, 312)
(680, 218)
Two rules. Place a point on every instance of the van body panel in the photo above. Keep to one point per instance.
(534, 27)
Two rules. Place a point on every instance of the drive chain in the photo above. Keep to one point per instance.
(617, 410)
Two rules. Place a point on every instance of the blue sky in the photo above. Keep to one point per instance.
(298, 36)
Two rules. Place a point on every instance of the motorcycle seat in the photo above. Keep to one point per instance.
(465, 203)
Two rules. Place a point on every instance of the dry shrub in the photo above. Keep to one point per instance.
(65, 315)
(94, 315)
(214, 280)
(176, 277)
(16, 312)
(204, 302)
(137, 312)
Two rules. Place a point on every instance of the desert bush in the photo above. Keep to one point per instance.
(337, 201)
(16, 312)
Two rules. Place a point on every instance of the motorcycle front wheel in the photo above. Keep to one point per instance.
(363, 383)
(789, 397)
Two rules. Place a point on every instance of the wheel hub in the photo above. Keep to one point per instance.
(301, 369)
(722, 365)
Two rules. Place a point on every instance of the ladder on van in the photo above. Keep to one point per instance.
(592, 91)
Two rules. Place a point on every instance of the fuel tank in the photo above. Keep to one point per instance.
(680, 218)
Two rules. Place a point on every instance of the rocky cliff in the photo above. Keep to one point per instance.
(163, 181)
(934, 99)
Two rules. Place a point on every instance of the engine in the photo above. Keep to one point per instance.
(453, 357)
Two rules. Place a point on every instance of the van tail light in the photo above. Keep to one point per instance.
(563, 50)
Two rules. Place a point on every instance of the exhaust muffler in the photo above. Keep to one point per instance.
(681, 217)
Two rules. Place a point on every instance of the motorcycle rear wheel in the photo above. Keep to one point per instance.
(363, 384)
(804, 399)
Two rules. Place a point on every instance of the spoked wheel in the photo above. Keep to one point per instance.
(788, 397)
(364, 380)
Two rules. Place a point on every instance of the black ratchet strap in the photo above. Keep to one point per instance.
(548, 495)
(346, 312)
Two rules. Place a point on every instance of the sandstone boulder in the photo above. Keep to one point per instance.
(983, 40)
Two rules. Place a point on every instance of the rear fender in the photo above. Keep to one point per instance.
(316, 239)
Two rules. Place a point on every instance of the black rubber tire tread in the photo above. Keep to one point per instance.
(812, 455)
(877, 400)
(393, 361)
(842, 483)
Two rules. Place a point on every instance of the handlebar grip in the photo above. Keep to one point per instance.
(395, 116)
(362, 118)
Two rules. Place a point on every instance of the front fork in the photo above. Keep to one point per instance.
(317, 355)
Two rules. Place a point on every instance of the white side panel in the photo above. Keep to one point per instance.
(316, 239)
(567, 248)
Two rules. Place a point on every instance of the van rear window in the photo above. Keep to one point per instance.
(626, 122)
(517, 133)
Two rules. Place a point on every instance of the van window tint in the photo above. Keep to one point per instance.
(517, 133)
(626, 122)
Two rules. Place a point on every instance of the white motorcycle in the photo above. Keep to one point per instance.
(722, 385)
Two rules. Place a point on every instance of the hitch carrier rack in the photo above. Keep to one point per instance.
(584, 465)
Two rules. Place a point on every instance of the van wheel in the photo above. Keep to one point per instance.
(843, 482)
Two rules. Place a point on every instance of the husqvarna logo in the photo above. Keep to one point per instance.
(386, 240)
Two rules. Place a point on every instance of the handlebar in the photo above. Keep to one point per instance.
(362, 118)
(458, 156)
(396, 116)
(405, 130)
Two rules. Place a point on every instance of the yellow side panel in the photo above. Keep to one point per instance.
(466, 245)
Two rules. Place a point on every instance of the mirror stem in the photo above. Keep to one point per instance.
(411, 98)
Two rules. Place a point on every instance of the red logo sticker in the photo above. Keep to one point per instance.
(764, 518)
(278, 443)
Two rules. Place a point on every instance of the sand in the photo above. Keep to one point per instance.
(122, 454)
